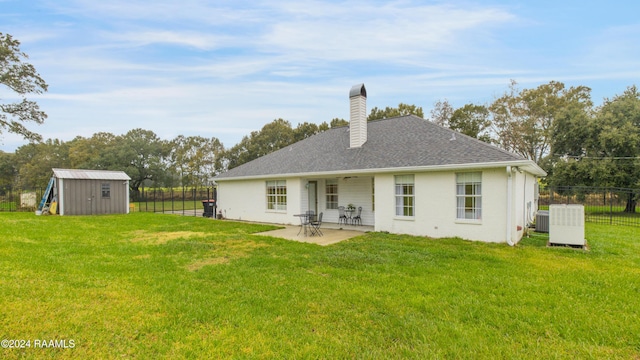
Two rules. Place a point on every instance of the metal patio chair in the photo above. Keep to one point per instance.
(315, 226)
(357, 218)
(342, 216)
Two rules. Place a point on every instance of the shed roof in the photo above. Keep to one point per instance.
(90, 174)
(402, 142)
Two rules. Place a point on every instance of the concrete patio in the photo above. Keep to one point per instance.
(332, 233)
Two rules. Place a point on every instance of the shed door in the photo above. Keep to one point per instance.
(78, 197)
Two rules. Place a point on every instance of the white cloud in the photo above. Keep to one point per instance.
(225, 68)
(388, 33)
(182, 38)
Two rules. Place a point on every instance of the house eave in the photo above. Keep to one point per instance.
(526, 165)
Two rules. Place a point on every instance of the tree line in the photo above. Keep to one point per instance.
(575, 142)
(558, 127)
(146, 158)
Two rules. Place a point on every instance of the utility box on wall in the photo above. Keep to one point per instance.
(566, 225)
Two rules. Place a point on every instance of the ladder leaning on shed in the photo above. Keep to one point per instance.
(46, 195)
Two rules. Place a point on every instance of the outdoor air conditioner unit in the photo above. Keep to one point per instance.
(566, 225)
(542, 221)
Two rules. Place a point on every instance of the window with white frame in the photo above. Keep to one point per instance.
(469, 195)
(405, 198)
(331, 190)
(277, 195)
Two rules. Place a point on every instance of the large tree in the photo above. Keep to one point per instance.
(389, 112)
(523, 120)
(472, 120)
(305, 130)
(35, 161)
(602, 150)
(8, 171)
(442, 112)
(195, 159)
(21, 78)
(141, 154)
(93, 153)
(337, 122)
(273, 136)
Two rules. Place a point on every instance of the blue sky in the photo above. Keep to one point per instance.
(225, 68)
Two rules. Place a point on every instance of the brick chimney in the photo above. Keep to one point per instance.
(358, 116)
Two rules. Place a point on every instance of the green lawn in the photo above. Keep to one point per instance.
(604, 209)
(164, 286)
(7, 205)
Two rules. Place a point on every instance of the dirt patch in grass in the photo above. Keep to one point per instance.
(242, 245)
(159, 238)
(226, 252)
(23, 240)
(199, 264)
(222, 252)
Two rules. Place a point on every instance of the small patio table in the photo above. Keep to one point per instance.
(349, 213)
(304, 222)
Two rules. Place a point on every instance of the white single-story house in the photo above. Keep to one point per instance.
(409, 175)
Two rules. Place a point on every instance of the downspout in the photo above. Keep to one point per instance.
(509, 206)
(126, 191)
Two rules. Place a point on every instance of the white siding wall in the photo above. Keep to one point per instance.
(355, 190)
(358, 121)
(525, 205)
(435, 204)
(435, 208)
(247, 200)
(304, 197)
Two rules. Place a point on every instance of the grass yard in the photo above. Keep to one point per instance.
(7, 205)
(168, 205)
(163, 286)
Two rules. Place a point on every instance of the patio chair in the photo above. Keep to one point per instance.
(311, 215)
(315, 226)
(357, 218)
(342, 216)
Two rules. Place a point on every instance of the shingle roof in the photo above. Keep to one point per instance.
(401, 142)
(90, 174)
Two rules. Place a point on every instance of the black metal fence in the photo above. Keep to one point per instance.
(190, 201)
(182, 201)
(614, 206)
(20, 200)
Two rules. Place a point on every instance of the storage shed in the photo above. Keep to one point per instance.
(88, 192)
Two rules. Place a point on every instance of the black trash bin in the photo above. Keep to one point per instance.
(209, 208)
